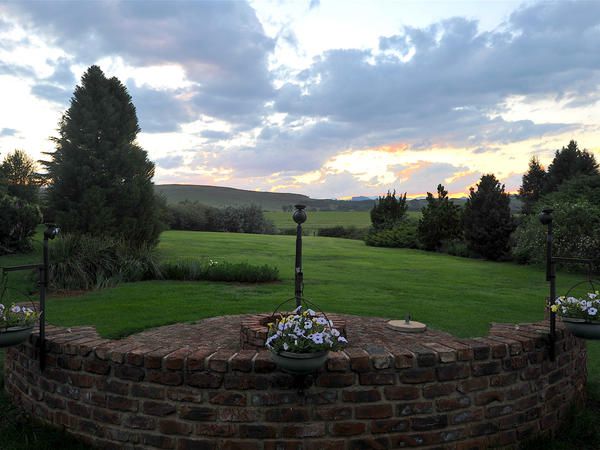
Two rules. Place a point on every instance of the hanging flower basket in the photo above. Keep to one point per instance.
(581, 315)
(16, 324)
(299, 363)
(582, 329)
(14, 336)
(300, 341)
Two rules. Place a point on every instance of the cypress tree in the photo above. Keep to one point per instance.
(388, 211)
(569, 162)
(100, 178)
(532, 186)
(488, 222)
(440, 220)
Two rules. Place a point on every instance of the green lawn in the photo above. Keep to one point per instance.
(454, 294)
(325, 219)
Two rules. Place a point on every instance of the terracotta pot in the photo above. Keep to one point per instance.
(14, 335)
(299, 363)
(581, 328)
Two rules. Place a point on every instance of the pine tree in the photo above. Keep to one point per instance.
(18, 174)
(388, 211)
(100, 179)
(532, 186)
(569, 162)
(440, 220)
(487, 219)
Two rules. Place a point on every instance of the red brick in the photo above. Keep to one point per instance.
(348, 428)
(378, 411)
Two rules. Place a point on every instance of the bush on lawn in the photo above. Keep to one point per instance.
(209, 270)
(18, 220)
(344, 232)
(403, 234)
(82, 262)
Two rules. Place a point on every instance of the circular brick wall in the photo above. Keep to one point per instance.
(191, 386)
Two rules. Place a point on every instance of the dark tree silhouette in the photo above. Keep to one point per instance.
(100, 179)
(488, 222)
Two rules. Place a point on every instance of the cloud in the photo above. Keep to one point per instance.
(447, 83)
(314, 4)
(170, 162)
(215, 135)
(5, 132)
(221, 45)
(159, 111)
(51, 92)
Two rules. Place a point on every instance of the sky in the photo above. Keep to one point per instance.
(327, 98)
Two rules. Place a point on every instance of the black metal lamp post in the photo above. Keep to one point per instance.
(299, 217)
(50, 232)
(546, 219)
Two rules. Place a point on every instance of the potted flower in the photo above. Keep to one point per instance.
(581, 315)
(299, 342)
(16, 324)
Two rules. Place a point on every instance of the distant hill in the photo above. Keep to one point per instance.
(219, 197)
(270, 201)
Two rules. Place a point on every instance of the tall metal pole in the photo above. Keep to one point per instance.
(546, 219)
(50, 232)
(43, 286)
(299, 217)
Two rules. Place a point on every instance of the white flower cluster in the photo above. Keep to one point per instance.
(304, 332)
(586, 307)
(15, 316)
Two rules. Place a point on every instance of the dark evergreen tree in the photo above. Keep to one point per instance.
(100, 179)
(440, 220)
(569, 162)
(532, 186)
(19, 175)
(487, 219)
(388, 211)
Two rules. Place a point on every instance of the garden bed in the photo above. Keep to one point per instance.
(190, 386)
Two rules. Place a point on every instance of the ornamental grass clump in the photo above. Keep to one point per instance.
(586, 307)
(304, 332)
(16, 316)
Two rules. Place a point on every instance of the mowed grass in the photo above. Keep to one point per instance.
(326, 219)
(459, 295)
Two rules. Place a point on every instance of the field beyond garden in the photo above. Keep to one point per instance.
(458, 295)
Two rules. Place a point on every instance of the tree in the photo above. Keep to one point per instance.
(487, 219)
(532, 186)
(569, 162)
(388, 211)
(18, 220)
(100, 179)
(20, 177)
(440, 220)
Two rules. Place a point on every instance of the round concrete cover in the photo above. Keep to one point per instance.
(410, 327)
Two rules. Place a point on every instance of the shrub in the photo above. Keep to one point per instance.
(344, 232)
(190, 216)
(81, 262)
(456, 247)
(209, 270)
(292, 231)
(441, 220)
(487, 219)
(388, 211)
(18, 220)
(403, 234)
(194, 216)
(576, 232)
